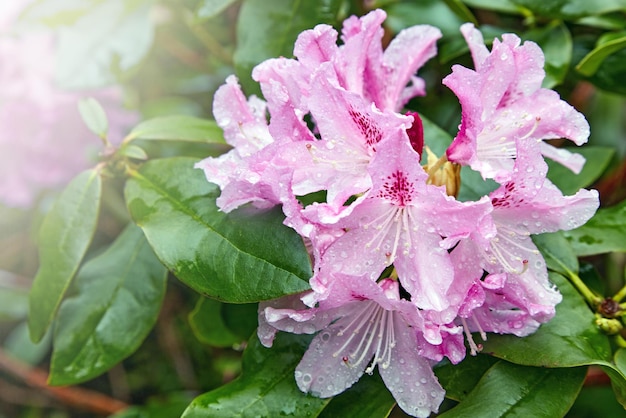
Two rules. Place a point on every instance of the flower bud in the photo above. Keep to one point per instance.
(416, 133)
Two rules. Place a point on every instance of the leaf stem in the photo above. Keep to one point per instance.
(620, 295)
(592, 299)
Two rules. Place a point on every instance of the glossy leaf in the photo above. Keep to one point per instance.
(461, 11)
(64, 238)
(117, 300)
(592, 61)
(569, 9)
(208, 325)
(510, 390)
(368, 398)
(94, 117)
(610, 74)
(605, 232)
(618, 376)
(241, 318)
(557, 252)
(597, 160)
(178, 128)
(401, 15)
(459, 379)
(507, 6)
(266, 387)
(269, 28)
(570, 339)
(244, 256)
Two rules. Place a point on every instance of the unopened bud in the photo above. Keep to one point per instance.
(416, 133)
(609, 326)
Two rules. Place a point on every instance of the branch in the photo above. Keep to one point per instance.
(84, 399)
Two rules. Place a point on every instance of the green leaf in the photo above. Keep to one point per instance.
(506, 6)
(266, 387)
(570, 339)
(557, 252)
(269, 28)
(241, 318)
(64, 238)
(117, 300)
(208, 325)
(94, 117)
(461, 11)
(244, 256)
(592, 61)
(133, 151)
(473, 186)
(618, 376)
(110, 39)
(459, 379)
(570, 9)
(443, 15)
(178, 128)
(597, 160)
(610, 75)
(510, 390)
(605, 232)
(211, 8)
(436, 138)
(368, 398)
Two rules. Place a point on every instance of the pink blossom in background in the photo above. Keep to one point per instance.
(43, 139)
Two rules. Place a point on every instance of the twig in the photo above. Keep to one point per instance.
(84, 399)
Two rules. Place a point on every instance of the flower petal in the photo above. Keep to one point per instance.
(409, 376)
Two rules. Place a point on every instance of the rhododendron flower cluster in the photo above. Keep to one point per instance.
(403, 271)
(43, 141)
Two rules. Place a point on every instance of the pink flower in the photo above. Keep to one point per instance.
(44, 141)
(350, 130)
(362, 326)
(402, 221)
(516, 294)
(503, 103)
(244, 173)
